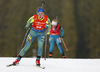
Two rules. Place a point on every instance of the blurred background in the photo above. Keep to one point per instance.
(79, 18)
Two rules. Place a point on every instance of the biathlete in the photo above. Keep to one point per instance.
(55, 37)
(39, 23)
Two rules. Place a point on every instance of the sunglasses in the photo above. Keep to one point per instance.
(40, 13)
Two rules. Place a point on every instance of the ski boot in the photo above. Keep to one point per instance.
(63, 56)
(50, 55)
(16, 62)
(37, 62)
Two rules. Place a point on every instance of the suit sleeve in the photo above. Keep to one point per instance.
(30, 20)
(48, 26)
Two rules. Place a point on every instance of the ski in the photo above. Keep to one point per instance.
(11, 65)
(39, 67)
(16, 65)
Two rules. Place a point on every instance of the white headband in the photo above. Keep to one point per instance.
(54, 23)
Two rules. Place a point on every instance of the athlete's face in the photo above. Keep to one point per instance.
(40, 15)
(53, 25)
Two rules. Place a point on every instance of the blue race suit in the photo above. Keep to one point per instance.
(56, 38)
(40, 34)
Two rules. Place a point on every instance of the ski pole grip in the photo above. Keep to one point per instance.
(43, 2)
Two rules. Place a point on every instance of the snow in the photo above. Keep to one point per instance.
(51, 65)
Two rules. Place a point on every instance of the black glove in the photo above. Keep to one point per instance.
(61, 36)
(26, 28)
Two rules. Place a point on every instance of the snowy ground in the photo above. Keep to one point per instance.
(52, 65)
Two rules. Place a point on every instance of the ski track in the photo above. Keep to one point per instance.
(51, 65)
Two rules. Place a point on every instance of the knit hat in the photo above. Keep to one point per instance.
(40, 10)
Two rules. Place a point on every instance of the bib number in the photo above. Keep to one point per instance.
(38, 27)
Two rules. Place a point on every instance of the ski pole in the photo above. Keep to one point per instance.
(43, 2)
(25, 37)
(45, 44)
(64, 44)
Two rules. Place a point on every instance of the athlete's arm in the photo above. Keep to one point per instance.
(30, 20)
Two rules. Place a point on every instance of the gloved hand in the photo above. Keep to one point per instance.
(26, 28)
(61, 36)
(48, 33)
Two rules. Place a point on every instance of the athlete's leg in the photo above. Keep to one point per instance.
(40, 39)
(51, 40)
(58, 42)
(29, 41)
